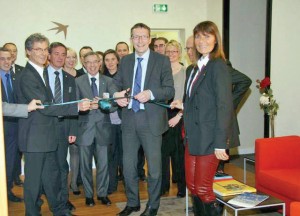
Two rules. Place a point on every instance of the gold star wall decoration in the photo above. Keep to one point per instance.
(60, 28)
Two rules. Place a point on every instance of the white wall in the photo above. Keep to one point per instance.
(285, 70)
(100, 24)
(247, 54)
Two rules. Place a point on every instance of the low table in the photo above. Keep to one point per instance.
(250, 158)
(270, 202)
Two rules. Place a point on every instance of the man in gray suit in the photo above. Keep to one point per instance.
(20, 110)
(148, 75)
(94, 132)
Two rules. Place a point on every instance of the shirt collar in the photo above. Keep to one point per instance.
(145, 56)
(37, 67)
(96, 76)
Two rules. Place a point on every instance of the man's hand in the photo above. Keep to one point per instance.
(174, 121)
(143, 96)
(177, 104)
(124, 101)
(84, 105)
(72, 139)
(34, 105)
(94, 104)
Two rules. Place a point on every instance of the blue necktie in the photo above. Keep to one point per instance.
(94, 87)
(9, 89)
(137, 85)
(57, 89)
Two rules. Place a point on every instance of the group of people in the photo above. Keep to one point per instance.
(114, 110)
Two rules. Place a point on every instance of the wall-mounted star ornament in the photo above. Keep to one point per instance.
(60, 27)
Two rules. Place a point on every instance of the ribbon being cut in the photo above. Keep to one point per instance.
(106, 103)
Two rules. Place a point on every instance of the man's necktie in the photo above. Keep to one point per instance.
(57, 90)
(94, 87)
(137, 85)
(9, 89)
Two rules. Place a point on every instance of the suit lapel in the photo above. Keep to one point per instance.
(130, 69)
(87, 87)
(102, 86)
(66, 87)
(149, 69)
(199, 80)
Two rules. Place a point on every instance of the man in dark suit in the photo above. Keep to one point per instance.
(10, 124)
(38, 132)
(94, 132)
(66, 126)
(84, 50)
(149, 77)
(15, 69)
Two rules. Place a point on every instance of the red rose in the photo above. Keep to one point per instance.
(265, 83)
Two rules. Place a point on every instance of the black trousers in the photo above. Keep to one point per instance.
(172, 146)
(42, 172)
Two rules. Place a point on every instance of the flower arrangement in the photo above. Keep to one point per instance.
(267, 101)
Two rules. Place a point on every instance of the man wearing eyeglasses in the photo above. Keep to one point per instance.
(148, 76)
(160, 45)
(38, 132)
(94, 132)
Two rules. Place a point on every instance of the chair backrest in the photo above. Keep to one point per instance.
(277, 153)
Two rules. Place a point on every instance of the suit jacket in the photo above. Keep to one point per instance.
(69, 94)
(37, 132)
(94, 123)
(158, 79)
(80, 72)
(208, 111)
(8, 120)
(18, 68)
(15, 110)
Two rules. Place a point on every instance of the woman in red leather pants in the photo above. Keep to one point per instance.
(208, 114)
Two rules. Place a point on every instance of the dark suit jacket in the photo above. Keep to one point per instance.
(18, 68)
(37, 132)
(158, 79)
(80, 72)
(69, 94)
(208, 112)
(94, 123)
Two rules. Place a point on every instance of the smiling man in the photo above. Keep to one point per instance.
(38, 132)
(148, 76)
(94, 132)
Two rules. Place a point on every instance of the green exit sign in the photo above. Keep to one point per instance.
(160, 8)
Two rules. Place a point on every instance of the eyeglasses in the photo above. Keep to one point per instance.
(40, 50)
(159, 45)
(137, 37)
(171, 51)
(188, 48)
(91, 63)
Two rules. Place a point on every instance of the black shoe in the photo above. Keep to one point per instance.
(104, 200)
(89, 202)
(180, 195)
(13, 198)
(18, 182)
(70, 206)
(128, 210)
(75, 192)
(149, 212)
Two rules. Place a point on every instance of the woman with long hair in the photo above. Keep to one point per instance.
(208, 113)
